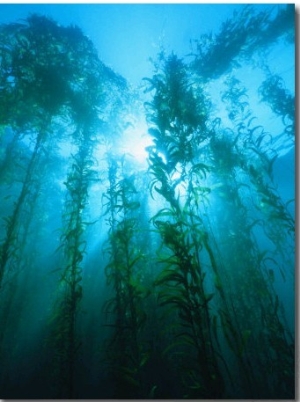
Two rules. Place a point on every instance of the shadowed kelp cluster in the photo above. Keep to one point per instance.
(171, 279)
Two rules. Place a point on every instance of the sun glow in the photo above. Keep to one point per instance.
(135, 141)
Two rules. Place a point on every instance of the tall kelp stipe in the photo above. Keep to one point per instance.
(250, 260)
(87, 97)
(73, 244)
(30, 111)
(247, 274)
(41, 104)
(127, 352)
(177, 118)
(245, 151)
(32, 117)
(168, 280)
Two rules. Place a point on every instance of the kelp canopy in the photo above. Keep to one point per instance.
(173, 279)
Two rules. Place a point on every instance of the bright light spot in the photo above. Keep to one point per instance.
(163, 157)
(135, 140)
(176, 175)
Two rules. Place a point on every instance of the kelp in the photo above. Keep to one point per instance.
(182, 278)
(244, 34)
(165, 283)
(50, 81)
(282, 103)
(127, 353)
(73, 244)
(250, 150)
(187, 180)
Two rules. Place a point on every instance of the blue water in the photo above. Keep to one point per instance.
(147, 178)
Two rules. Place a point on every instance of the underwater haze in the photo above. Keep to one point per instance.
(147, 187)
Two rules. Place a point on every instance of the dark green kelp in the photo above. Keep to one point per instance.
(153, 273)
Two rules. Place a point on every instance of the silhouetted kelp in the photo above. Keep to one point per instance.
(244, 34)
(118, 281)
